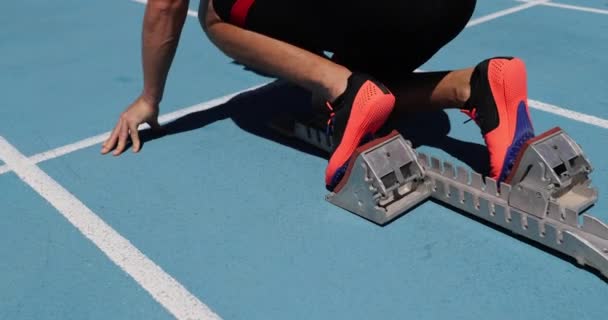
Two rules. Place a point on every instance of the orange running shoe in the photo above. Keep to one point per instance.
(499, 105)
(354, 118)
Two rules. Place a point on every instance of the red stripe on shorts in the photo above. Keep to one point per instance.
(239, 11)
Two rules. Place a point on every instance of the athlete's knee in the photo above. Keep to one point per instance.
(207, 15)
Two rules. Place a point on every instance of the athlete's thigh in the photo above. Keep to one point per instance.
(305, 23)
(401, 35)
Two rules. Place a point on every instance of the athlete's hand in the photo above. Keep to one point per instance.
(140, 111)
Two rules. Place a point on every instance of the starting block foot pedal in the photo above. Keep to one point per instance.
(384, 179)
(552, 168)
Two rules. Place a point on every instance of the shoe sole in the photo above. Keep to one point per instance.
(523, 133)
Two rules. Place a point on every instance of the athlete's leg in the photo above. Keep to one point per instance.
(431, 91)
(268, 36)
(275, 57)
(422, 28)
(494, 93)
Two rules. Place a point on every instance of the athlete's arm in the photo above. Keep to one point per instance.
(162, 26)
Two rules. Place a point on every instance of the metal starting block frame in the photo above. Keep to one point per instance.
(542, 200)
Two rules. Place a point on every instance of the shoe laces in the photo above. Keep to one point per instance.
(330, 122)
(472, 114)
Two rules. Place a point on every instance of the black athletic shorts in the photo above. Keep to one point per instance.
(385, 38)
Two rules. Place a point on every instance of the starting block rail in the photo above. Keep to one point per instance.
(542, 200)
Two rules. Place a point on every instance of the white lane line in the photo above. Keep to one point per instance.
(4, 169)
(191, 13)
(505, 12)
(566, 113)
(88, 142)
(578, 8)
(161, 286)
(571, 7)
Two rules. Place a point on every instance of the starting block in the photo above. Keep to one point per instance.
(543, 199)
